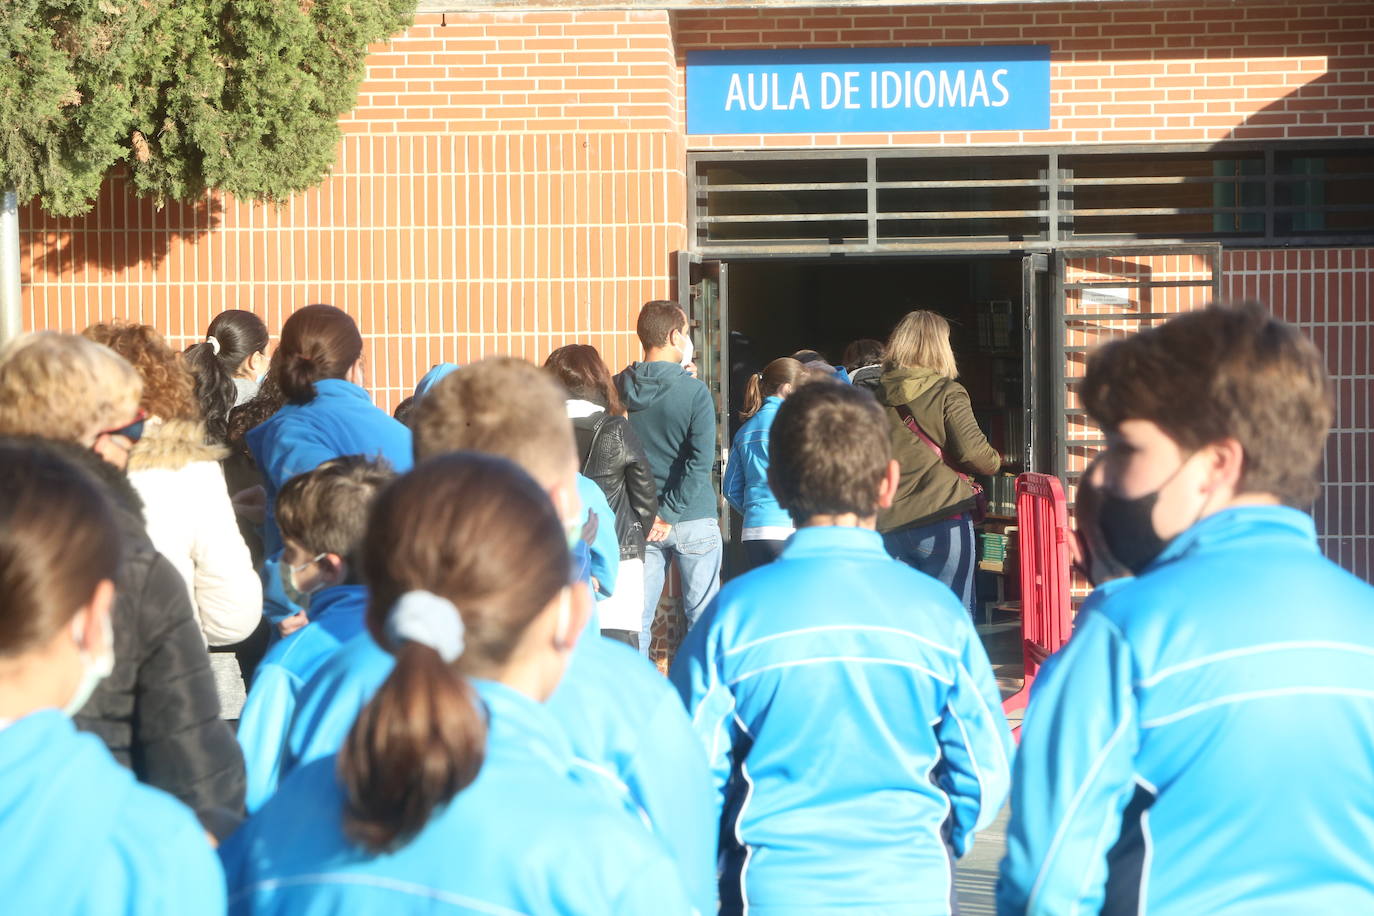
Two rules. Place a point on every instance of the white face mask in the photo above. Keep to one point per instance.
(572, 518)
(688, 351)
(288, 580)
(94, 669)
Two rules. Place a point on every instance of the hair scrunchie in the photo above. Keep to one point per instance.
(214, 344)
(428, 619)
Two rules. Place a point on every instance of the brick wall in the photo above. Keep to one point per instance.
(507, 183)
(1327, 292)
(1145, 72)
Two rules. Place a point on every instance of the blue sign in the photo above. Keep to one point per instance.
(868, 90)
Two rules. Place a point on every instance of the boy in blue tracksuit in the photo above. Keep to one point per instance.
(340, 420)
(626, 727)
(323, 517)
(1204, 742)
(851, 719)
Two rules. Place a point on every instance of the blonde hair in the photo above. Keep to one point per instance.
(921, 341)
(500, 406)
(61, 386)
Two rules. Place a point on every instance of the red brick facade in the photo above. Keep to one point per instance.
(513, 181)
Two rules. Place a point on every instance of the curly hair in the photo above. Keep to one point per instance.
(169, 390)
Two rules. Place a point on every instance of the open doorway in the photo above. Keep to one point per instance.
(780, 306)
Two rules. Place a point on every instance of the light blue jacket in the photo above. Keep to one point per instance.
(82, 836)
(746, 473)
(1205, 741)
(624, 723)
(336, 616)
(525, 837)
(854, 730)
(605, 548)
(341, 420)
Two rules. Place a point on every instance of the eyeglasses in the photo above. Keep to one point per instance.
(133, 431)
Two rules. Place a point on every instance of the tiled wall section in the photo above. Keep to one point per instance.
(1132, 72)
(507, 184)
(1328, 293)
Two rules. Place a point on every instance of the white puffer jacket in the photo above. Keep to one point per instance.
(191, 522)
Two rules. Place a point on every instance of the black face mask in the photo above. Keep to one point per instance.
(1128, 527)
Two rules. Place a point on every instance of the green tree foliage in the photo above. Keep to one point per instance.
(238, 95)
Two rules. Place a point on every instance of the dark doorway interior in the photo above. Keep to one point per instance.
(778, 307)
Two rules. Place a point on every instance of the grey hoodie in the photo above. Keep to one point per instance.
(675, 419)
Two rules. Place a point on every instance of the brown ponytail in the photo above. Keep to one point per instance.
(317, 342)
(416, 745)
(455, 526)
(765, 384)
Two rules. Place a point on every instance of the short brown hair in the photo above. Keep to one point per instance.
(501, 406)
(65, 387)
(325, 510)
(1226, 371)
(828, 451)
(58, 540)
(169, 389)
(658, 319)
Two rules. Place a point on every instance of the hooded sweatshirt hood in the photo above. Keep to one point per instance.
(432, 377)
(171, 445)
(902, 385)
(643, 384)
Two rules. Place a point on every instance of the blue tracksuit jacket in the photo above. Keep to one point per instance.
(853, 727)
(82, 836)
(525, 837)
(624, 723)
(336, 616)
(605, 549)
(1205, 741)
(341, 420)
(746, 473)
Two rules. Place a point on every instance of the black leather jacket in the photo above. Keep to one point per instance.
(616, 461)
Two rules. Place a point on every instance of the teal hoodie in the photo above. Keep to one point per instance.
(674, 416)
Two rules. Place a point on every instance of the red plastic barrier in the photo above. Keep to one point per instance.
(1042, 517)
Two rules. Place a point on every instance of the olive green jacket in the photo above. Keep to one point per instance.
(929, 490)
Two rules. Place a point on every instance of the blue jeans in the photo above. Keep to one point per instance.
(943, 550)
(696, 545)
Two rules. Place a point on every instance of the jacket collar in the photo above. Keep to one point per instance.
(523, 723)
(172, 444)
(337, 599)
(1239, 526)
(826, 539)
(340, 388)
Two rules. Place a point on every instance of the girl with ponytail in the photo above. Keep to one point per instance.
(455, 783)
(227, 365)
(767, 526)
(325, 413)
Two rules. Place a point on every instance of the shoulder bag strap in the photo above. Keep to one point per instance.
(911, 424)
